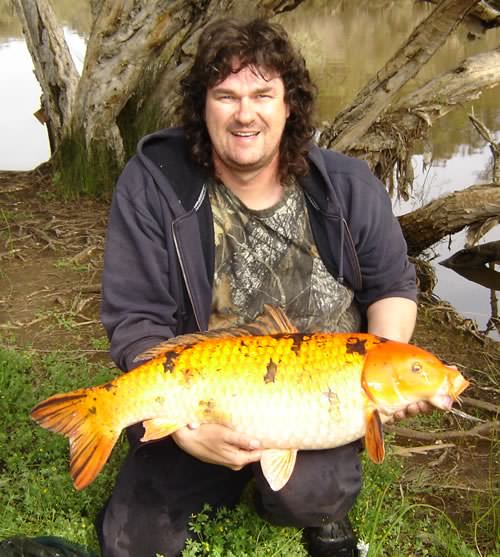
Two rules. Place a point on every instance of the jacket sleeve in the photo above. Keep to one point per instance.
(137, 308)
(379, 242)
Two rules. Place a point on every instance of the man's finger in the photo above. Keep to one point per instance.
(241, 441)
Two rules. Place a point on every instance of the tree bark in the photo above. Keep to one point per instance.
(352, 123)
(124, 39)
(449, 214)
(54, 67)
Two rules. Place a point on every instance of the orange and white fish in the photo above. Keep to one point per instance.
(289, 390)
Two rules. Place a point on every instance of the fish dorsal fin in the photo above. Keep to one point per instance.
(277, 466)
(272, 320)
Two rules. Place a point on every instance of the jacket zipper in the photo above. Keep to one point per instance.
(185, 278)
(349, 237)
(353, 250)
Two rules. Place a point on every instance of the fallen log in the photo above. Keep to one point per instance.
(471, 264)
(449, 214)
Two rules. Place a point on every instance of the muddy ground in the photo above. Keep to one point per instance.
(50, 263)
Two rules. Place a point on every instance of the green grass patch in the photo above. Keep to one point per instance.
(37, 497)
(241, 532)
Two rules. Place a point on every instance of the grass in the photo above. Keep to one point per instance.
(36, 494)
(37, 497)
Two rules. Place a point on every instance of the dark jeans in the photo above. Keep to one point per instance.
(160, 486)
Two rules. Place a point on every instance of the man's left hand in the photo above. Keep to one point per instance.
(413, 409)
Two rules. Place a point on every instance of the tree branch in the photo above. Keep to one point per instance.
(352, 123)
(390, 141)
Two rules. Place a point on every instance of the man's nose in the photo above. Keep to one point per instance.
(246, 111)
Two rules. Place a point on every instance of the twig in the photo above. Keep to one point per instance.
(8, 253)
(481, 404)
(424, 449)
(88, 288)
(478, 431)
(460, 487)
(82, 255)
(91, 322)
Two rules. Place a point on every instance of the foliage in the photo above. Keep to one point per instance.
(36, 495)
(240, 532)
(391, 522)
(395, 523)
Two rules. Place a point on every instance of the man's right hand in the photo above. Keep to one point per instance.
(218, 444)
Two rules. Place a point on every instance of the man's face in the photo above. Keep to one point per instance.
(245, 116)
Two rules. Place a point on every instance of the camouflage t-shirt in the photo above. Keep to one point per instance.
(269, 257)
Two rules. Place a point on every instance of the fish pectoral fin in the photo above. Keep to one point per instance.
(156, 428)
(277, 466)
(374, 437)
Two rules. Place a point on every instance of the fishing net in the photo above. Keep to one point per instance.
(48, 546)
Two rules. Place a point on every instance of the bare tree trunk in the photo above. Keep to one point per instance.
(352, 123)
(474, 256)
(54, 67)
(125, 37)
(449, 214)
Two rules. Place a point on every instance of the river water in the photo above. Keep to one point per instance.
(344, 42)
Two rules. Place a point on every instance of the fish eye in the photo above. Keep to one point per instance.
(416, 367)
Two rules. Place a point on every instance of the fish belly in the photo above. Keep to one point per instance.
(287, 415)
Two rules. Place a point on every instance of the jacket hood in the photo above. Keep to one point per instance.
(165, 154)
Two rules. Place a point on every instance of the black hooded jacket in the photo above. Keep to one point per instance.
(159, 260)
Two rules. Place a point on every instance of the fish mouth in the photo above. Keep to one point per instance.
(445, 401)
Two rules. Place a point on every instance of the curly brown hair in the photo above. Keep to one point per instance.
(264, 46)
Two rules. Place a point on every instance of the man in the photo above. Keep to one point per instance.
(209, 222)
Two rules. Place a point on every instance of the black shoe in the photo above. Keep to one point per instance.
(335, 539)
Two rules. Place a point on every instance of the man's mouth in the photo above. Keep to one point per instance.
(245, 133)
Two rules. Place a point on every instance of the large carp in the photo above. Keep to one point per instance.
(288, 390)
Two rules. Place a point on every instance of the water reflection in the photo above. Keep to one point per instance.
(74, 14)
(344, 43)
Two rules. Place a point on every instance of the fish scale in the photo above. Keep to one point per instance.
(290, 391)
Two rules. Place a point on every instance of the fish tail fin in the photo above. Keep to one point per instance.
(91, 441)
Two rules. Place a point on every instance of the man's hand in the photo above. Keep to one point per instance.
(411, 410)
(218, 444)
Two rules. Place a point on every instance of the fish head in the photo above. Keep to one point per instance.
(397, 374)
